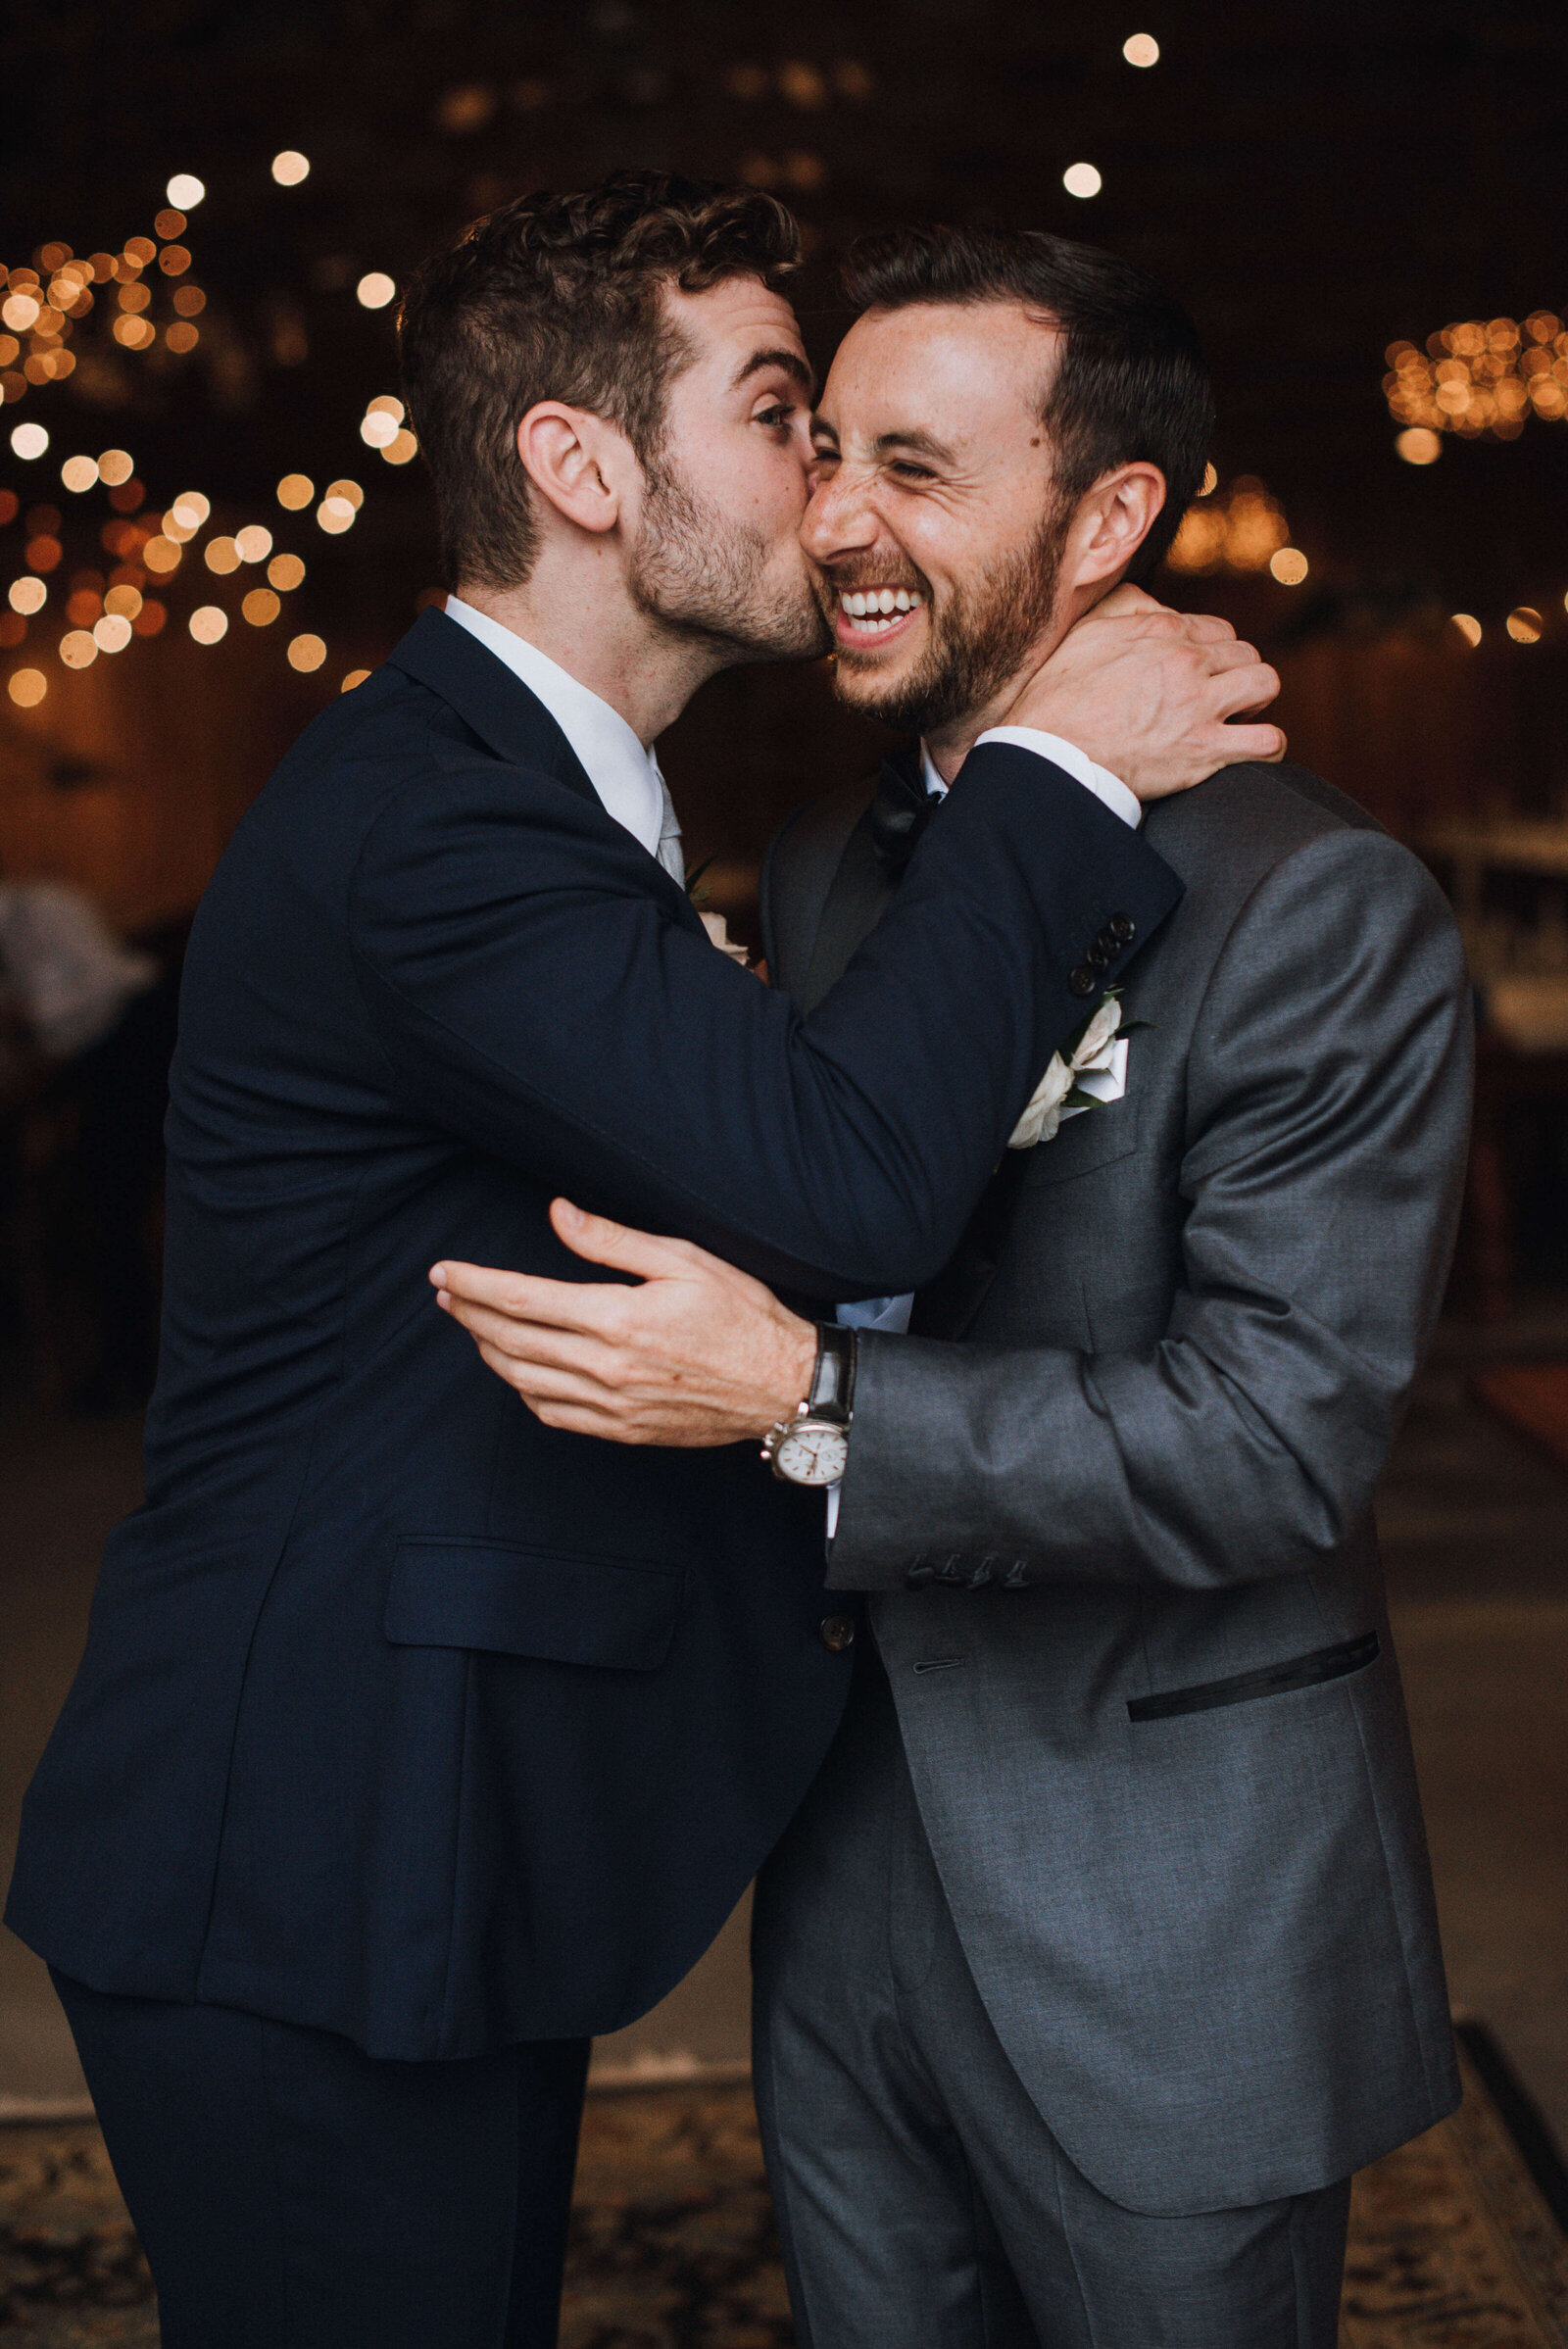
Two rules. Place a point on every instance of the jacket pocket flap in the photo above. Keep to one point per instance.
(615, 1613)
(1084, 1144)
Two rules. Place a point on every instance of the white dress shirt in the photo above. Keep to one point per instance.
(623, 773)
(891, 1313)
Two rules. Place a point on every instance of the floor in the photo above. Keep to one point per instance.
(1476, 1534)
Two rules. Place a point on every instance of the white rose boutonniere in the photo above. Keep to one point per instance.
(1090, 1068)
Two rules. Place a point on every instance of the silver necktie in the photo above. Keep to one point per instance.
(669, 852)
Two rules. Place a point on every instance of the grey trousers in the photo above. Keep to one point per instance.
(922, 2200)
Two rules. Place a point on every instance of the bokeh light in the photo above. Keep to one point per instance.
(1525, 625)
(374, 290)
(290, 167)
(356, 677)
(223, 555)
(28, 687)
(1289, 565)
(28, 442)
(261, 607)
(116, 466)
(254, 543)
(185, 191)
(295, 491)
(208, 623)
(1467, 626)
(111, 633)
(335, 514)
(286, 571)
(1140, 49)
(78, 473)
(160, 555)
(27, 596)
(1082, 179)
(1419, 444)
(125, 601)
(78, 649)
(399, 450)
(307, 653)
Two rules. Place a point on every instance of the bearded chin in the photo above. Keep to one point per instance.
(980, 643)
(704, 576)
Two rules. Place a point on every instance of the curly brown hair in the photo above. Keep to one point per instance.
(560, 297)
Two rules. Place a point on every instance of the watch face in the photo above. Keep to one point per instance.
(812, 1452)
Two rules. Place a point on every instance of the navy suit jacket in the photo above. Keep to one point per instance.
(401, 1715)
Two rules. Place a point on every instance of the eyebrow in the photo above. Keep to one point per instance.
(789, 362)
(920, 444)
(923, 444)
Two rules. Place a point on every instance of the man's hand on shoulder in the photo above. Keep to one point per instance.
(1146, 693)
(696, 1355)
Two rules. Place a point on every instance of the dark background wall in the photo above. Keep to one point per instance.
(1314, 182)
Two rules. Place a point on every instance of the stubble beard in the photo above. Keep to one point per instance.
(704, 576)
(981, 640)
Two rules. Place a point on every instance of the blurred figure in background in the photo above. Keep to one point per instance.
(88, 1022)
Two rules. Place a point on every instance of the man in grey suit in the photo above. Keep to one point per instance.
(1103, 1950)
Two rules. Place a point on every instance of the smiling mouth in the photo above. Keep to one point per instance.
(873, 614)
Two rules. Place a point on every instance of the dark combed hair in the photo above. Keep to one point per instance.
(560, 297)
(1132, 383)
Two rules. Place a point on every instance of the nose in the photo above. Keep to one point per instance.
(840, 519)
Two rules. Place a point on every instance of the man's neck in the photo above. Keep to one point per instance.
(580, 616)
(950, 746)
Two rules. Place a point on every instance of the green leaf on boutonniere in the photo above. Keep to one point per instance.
(695, 889)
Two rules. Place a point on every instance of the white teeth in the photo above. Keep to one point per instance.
(879, 608)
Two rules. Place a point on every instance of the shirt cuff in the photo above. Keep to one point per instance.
(833, 1493)
(1076, 763)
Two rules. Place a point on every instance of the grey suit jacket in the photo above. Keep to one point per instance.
(1117, 1517)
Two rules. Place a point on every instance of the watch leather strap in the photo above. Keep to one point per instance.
(832, 1390)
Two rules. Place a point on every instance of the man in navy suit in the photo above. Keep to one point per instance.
(416, 1741)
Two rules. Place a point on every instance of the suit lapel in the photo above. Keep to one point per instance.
(858, 895)
(487, 697)
(505, 714)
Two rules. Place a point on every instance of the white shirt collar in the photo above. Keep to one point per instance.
(622, 772)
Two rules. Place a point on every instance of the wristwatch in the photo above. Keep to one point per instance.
(814, 1448)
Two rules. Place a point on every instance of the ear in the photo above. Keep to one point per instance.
(1111, 523)
(583, 466)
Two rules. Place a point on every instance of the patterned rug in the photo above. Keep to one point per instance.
(1455, 2242)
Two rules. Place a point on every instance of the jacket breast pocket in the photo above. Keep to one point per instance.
(619, 1614)
(1095, 1138)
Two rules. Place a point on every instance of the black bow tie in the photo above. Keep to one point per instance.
(901, 810)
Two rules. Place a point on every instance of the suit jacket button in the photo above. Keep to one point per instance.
(1084, 979)
(1122, 928)
(838, 1633)
(1100, 954)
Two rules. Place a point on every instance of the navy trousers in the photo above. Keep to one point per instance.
(292, 2192)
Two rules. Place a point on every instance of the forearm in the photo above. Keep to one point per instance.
(975, 1464)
